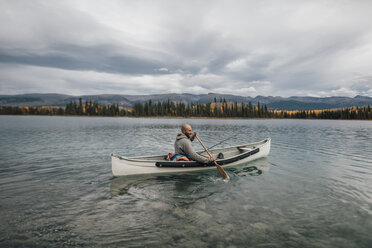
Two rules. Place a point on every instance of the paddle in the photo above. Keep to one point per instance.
(222, 172)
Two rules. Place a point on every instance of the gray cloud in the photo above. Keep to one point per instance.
(97, 58)
(241, 47)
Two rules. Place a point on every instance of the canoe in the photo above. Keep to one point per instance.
(230, 156)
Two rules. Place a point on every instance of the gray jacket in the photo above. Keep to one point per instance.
(183, 146)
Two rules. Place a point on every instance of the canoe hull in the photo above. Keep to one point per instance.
(122, 166)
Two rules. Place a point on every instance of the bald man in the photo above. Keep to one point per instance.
(183, 145)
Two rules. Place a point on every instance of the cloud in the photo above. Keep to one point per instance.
(47, 80)
(237, 65)
(139, 47)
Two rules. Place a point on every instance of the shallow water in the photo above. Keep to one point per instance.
(57, 190)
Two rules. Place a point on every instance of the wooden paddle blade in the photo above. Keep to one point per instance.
(222, 171)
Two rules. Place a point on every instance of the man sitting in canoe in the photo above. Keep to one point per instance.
(183, 145)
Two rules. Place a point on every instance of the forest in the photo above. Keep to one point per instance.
(215, 109)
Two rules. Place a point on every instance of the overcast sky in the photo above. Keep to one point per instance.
(248, 48)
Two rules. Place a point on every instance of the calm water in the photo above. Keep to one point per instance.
(56, 187)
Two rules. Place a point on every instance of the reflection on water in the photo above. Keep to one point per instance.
(254, 168)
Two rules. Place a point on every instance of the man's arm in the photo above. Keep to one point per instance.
(190, 152)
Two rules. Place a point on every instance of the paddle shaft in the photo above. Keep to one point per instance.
(220, 169)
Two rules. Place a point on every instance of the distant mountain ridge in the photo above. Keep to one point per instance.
(280, 103)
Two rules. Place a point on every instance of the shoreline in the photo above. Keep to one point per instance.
(181, 117)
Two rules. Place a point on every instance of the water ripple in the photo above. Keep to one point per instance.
(57, 190)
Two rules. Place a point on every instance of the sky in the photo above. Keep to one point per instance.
(269, 47)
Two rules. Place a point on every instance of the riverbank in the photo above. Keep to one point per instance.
(185, 117)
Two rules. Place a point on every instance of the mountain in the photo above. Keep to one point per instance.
(309, 103)
(280, 103)
(37, 99)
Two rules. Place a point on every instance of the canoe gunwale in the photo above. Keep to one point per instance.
(221, 162)
(142, 159)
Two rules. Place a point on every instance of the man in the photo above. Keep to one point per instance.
(183, 145)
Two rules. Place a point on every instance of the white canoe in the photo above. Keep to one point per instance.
(123, 166)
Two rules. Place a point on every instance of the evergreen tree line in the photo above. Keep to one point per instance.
(216, 109)
(212, 109)
(93, 109)
(223, 109)
(72, 108)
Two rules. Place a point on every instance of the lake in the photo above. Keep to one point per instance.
(56, 187)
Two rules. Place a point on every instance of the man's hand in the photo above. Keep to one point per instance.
(213, 159)
(193, 136)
